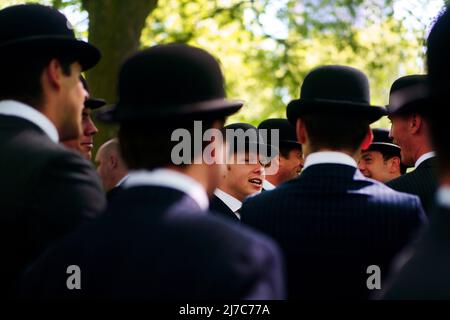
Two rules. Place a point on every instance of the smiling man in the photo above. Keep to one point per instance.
(85, 142)
(410, 130)
(244, 175)
(381, 160)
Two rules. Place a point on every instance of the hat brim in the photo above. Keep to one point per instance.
(301, 107)
(214, 107)
(383, 147)
(272, 151)
(290, 144)
(85, 53)
(94, 103)
(420, 106)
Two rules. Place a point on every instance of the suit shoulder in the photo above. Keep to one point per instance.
(403, 179)
(219, 230)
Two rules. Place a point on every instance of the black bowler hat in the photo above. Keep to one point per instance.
(91, 103)
(409, 94)
(29, 28)
(167, 81)
(382, 142)
(254, 138)
(287, 134)
(334, 90)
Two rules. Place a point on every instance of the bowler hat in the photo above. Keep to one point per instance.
(382, 142)
(409, 94)
(334, 90)
(167, 81)
(286, 131)
(254, 138)
(91, 103)
(29, 28)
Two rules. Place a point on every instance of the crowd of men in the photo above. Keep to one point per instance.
(344, 198)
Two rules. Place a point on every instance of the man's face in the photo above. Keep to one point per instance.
(372, 165)
(85, 143)
(291, 166)
(72, 97)
(243, 180)
(400, 133)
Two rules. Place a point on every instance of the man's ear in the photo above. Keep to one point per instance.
(112, 161)
(300, 130)
(416, 122)
(52, 74)
(395, 165)
(367, 139)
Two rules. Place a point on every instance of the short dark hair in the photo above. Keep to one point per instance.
(22, 79)
(335, 131)
(149, 146)
(284, 149)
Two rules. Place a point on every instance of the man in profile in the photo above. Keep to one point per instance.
(111, 167)
(85, 142)
(290, 157)
(410, 130)
(46, 190)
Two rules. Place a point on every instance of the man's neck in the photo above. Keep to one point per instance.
(197, 172)
(273, 180)
(423, 149)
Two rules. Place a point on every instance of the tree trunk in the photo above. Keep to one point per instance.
(115, 28)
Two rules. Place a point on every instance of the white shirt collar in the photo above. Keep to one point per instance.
(424, 157)
(21, 110)
(170, 179)
(231, 202)
(267, 185)
(443, 196)
(329, 157)
(125, 177)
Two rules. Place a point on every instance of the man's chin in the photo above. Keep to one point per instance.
(86, 152)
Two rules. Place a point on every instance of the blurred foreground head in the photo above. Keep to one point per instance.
(162, 91)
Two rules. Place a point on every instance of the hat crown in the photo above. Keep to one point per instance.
(33, 20)
(408, 93)
(286, 130)
(336, 83)
(408, 81)
(381, 135)
(170, 75)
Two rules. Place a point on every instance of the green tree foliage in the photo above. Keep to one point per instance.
(265, 68)
(266, 47)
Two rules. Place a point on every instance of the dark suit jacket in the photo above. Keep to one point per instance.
(113, 193)
(421, 182)
(219, 207)
(46, 191)
(154, 242)
(426, 275)
(332, 223)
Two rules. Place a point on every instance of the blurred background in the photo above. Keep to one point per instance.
(265, 47)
